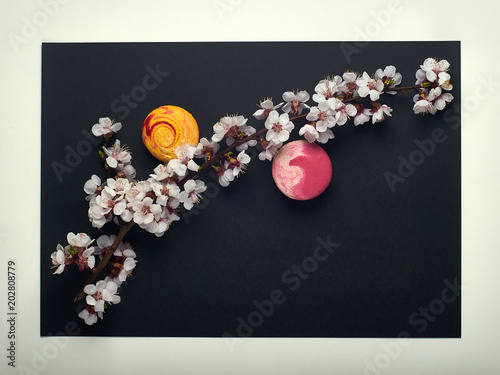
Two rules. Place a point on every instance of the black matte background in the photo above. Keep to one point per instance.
(396, 248)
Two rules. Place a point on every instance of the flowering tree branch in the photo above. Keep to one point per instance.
(152, 204)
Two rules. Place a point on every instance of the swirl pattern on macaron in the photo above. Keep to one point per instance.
(167, 128)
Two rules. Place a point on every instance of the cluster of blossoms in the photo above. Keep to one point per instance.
(104, 292)
(117, 157)
(98, 296)
(337, 100)
(123, 259)
(432, 79)
(153, 203)
(234, 129)
(76, 252)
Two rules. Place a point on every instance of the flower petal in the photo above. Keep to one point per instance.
(303, 96)
(288, 96)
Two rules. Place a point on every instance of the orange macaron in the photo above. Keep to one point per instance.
(167, 128)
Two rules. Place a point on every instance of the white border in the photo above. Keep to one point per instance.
(474, 23)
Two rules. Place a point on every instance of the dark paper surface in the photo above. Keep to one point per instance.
(245, 261)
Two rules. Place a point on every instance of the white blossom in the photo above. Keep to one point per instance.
(163, 221)
(225, 174)
(96, 215)
(117, 154)
(128, 265)
(177, 167)
(348, 84)
(362, 115)
(309, 132)
(92, 184)
(87, 260)
(245, 131)
(138, 191)
(323, 115)
(185, 153)
(266, 107)
(111, 203)
(240, 163)
(325, 90)
(161, 172)
(206, 149)
(369, 86)
(444, 81)
(100, 293)
(184, 161)
(279, 127)
(380, 112)
(431, 101)
(124, 249)
(434, 71)
(225, 124)
(165, 191)
(89, 318)
(324, 136)
(389, 77)
(269, 150)
(106, 127)
(145, 210)
(191, 193)
(127, 169)
(79, 239)
(342, 111)
(432, 68)
(59, 259)
(117, 186)
(295, 101)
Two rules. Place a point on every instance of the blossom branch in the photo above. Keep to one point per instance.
(153, 204)
(216, 158)
(238, 142)
(105, 260)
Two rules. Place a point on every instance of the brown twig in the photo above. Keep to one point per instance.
(104, 261)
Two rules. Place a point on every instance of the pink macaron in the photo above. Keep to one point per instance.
(302, 170)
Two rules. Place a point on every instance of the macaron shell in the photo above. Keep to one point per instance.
(302, 170)
(167, 128)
